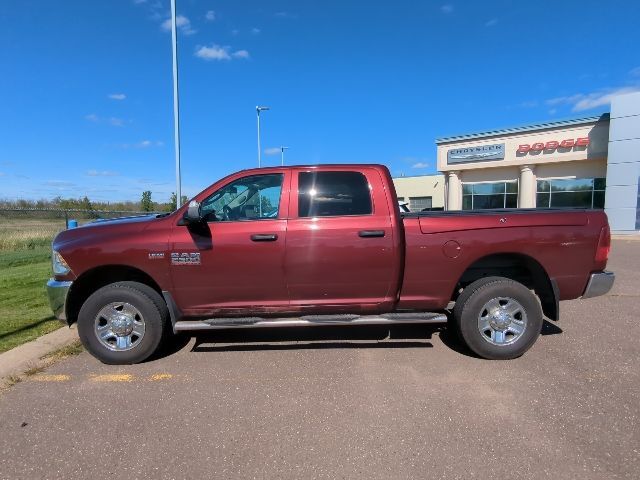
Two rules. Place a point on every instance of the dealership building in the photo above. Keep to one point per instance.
(591, 162)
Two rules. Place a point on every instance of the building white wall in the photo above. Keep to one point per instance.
(421, 186)
(622, 197)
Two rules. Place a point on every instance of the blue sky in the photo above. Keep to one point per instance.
(86, 88)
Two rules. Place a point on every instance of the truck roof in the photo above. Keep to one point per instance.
(322, 166)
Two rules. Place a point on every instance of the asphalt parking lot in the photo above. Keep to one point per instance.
(347, 403)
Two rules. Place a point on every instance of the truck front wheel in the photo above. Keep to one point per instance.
(498, 318)
(123, 323)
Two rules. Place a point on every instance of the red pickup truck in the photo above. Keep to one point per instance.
(323, 245)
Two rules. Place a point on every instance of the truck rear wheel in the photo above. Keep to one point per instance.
(123, 323)
(498, 318)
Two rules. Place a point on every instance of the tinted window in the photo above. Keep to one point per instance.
(325, 194)
(248, 198)
(478, 196)
(571, 192)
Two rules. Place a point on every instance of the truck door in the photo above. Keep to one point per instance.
(235, 261)
(340, 247)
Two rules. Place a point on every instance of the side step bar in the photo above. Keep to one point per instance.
(311, 321)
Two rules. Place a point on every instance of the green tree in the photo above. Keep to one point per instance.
(146, 204)
(171, 206)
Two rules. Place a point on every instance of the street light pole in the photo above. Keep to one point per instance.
(258, 110)
(282, 149)
(176, 109)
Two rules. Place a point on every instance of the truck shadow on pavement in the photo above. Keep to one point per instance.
(354, 337)
(314, 338)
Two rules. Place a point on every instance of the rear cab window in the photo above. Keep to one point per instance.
(331, 194)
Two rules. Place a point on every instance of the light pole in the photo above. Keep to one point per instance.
(176, 109)
(258, 110)
(282, 149)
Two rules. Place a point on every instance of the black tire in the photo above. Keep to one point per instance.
(151, 308)
(470, 305)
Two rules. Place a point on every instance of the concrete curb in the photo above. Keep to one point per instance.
(20, 359)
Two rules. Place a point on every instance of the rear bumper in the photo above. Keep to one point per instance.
(57, 292)
(599, 284)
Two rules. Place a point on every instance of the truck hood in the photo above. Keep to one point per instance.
(98, 230)
(120, 220)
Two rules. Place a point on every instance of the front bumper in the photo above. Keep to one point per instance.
(57, 292)
(599, 284)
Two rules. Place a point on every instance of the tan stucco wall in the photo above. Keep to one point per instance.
(581, 169)
(422, 186)
(598, 134)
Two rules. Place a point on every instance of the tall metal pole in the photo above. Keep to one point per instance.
(258, 116)
(176, 109)
(258, 110)
(282, 149)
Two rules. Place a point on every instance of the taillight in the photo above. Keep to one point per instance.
(604, 246)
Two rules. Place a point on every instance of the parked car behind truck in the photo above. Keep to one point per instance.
(323, 245)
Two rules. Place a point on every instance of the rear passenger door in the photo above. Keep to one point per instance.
(340, 249)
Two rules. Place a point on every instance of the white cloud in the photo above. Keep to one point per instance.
(214, 52)
(491, 23)
(635, 72)
(117, 96)
(272, 151)
(420, 165)
(148, 143)
(210, 16)
(182, 22)
(114, 121)
(446, 8)
(217, 52)
(255, 31)
(240, 54)
(101, 173)
(581, 102)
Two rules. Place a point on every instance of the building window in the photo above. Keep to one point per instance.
(417, 204)
(480, 196)
(571, 192)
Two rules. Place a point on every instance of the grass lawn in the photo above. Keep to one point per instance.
(24, 307)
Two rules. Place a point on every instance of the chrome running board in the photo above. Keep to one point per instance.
(311, 321)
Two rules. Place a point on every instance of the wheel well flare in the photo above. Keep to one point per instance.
(98, 277)
(518, 267)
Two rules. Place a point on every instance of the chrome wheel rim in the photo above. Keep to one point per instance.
(119, 326)
(502, 321)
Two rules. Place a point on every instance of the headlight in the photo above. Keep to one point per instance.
(60, 266)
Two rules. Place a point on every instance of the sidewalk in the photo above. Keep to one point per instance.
(29, 355)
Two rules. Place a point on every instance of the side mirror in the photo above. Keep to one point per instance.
(193, 214)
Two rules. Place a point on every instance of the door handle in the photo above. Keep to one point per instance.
(371, 233)
(264, 237)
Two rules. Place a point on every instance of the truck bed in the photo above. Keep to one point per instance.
(442, 246)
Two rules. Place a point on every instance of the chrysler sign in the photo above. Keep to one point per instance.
(482, 153)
